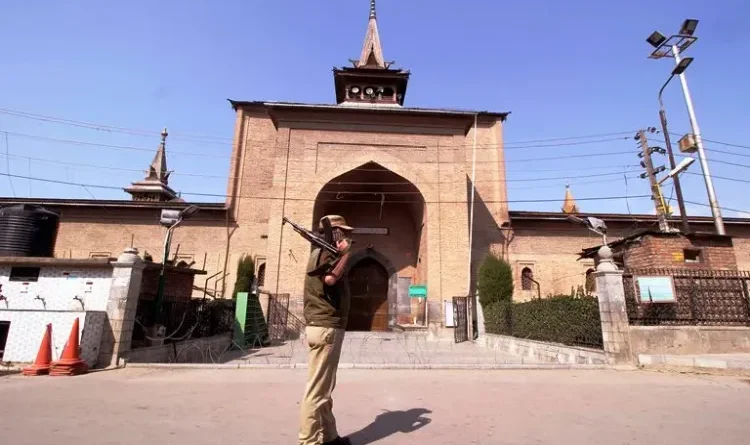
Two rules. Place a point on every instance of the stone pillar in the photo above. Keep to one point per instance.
(127, 275)
(614, 316)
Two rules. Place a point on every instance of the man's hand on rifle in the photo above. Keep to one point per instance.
(333, 276)
(343, 245)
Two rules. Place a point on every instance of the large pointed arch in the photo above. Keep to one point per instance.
(389, 214)
(418, 174)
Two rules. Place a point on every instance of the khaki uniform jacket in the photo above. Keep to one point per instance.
(325, 306)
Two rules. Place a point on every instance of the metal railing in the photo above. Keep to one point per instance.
(699, 297)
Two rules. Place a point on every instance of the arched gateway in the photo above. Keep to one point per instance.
(387, 213)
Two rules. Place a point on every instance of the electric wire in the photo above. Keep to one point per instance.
(240, 196)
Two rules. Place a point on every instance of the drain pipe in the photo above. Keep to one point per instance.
(471, 208)
(471, 223)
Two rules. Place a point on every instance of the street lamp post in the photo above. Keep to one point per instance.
(170, 219)
(672, 165)
(672, 47)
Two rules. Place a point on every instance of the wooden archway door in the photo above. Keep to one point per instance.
(368, 284)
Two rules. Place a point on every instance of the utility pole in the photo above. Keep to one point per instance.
(672, 164)
(673, 47)
(647, 163)
(713, 201)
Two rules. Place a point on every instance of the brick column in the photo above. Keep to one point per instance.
(614, 316)
(121, 306)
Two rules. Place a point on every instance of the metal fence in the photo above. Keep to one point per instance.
(687, 297)
(184, 320)
(460, 315)
(283, 325)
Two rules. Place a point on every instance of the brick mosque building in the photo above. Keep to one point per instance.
(401, 176)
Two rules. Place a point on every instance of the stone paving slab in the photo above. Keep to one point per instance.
(371, 350)
(412, 350)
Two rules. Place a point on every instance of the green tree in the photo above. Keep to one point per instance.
(495, 281)
(245, 275)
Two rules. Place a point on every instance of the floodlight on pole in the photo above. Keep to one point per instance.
(656, 39)
(673, 47)
(596, 225)
(688, 27)
(171, 219)
(682, 66)
(682, 166)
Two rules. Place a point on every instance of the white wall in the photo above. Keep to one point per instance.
(57, 285)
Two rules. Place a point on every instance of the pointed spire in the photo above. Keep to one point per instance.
(155, 186)
(372, 50)
(569, 206)
(158, 169)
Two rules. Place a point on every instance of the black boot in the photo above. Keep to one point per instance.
(339, 441)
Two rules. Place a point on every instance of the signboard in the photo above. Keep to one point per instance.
(656, 289)
(370, 230)
(448, 314)
(418, 291)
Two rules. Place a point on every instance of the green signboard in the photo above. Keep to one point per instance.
(418, 291)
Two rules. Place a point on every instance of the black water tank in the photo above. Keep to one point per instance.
(28, 230)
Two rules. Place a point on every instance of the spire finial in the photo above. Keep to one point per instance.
(164, 135)
(569, 204)
(373, 14)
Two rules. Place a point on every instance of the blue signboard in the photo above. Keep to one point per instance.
(656, 289)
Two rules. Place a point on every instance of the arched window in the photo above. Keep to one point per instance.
(526, 278)
(261, 275)
(590, 281)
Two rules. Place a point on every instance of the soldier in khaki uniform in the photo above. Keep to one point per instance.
(326, 310)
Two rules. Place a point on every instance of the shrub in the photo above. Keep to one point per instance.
(495, 281)
(560, 319)
(245, 275)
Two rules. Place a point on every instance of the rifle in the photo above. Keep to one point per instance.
(324, 243)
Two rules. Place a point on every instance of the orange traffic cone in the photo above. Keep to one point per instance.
(70, 363)
(41, 365)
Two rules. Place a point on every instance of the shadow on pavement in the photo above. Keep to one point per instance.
(391, 422)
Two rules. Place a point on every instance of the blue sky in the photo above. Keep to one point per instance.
(563, 69)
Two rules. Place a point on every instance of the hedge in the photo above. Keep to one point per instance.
(495, 281)
(562, 319)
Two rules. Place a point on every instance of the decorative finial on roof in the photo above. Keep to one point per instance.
(158, 169)
(372, 50)
(569, 205)
(155, 186)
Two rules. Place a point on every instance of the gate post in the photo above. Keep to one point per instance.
(612, 310)
(127, 274)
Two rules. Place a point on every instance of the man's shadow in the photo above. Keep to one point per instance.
(391, 422)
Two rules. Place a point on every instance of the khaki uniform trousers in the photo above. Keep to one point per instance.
(317, 423)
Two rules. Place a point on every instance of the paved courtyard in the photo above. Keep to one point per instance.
(191, 407)
(361, 348)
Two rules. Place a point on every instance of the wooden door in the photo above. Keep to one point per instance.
(368, 283)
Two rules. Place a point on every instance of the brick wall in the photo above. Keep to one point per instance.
(178, 284)
(90, 231)
(551, 250)
(673, 251)
(309, 150)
